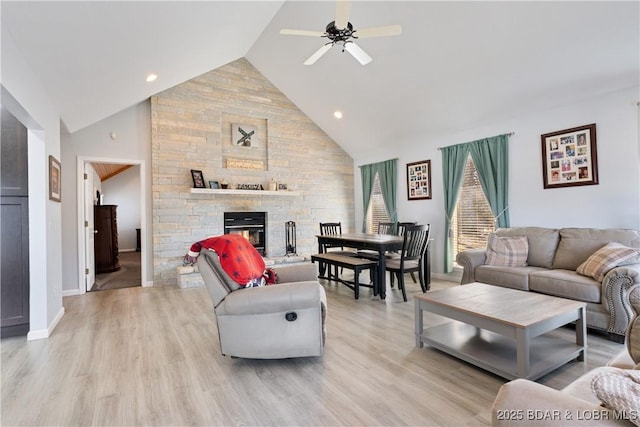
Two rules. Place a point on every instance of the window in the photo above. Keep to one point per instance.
(377, 209)
(472, 220)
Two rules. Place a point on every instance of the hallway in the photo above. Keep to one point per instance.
(128, 276)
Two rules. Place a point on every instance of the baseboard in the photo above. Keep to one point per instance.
(70, 292)
(126, 250)
(46, 333)
(147, 285)
(446, 277)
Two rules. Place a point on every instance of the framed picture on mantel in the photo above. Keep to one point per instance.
(198, 179)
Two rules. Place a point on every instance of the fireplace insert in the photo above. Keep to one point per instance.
(251, 225)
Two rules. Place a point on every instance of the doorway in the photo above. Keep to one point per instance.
(111, 224)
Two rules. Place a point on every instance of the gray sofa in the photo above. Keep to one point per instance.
(269, 322)
(553, 257)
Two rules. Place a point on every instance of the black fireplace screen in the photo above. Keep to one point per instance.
(251, 225)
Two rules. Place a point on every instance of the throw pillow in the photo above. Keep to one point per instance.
(619, 391)
(606, 258)
(632, 339)
(509, 251)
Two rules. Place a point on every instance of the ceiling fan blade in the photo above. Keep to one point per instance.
(317, 54)
(389, 30)
(288, 32)
(343, 10)
(357, 53)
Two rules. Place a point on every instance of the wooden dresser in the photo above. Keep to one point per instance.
(106, 238)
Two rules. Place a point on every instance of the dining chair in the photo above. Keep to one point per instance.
(414, 247)
(401, 227)
(386, 228)
(383, 228)
(333, 229)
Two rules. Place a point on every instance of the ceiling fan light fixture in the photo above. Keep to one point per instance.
(340, 30)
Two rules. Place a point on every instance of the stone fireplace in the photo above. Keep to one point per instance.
(189, 131)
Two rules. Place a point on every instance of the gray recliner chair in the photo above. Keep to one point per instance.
(269, 322)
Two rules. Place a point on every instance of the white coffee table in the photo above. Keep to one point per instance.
(502, 330)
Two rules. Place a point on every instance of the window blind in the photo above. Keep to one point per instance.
(377, 209)
(472, 220)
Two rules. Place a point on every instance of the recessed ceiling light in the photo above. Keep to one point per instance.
(337, 114)
(151, 77)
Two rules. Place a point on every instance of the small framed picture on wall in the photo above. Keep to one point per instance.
(419, 180)
(55, 182)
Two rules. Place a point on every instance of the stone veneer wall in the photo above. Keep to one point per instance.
(190, 129)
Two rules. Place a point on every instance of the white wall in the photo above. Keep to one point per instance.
(25, 97)
(614, 203)
(133, 142)
(123, 190)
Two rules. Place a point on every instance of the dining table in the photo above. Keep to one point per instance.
(375, 242)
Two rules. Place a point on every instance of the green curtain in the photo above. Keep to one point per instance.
(491, 158)
(388, 186)
(454, 159)
(387, 175)
(368, 175)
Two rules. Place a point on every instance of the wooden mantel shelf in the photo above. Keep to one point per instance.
(230, 192)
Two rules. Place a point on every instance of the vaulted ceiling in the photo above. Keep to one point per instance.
(456, 65)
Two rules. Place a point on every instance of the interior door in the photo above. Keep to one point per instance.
(89, 229)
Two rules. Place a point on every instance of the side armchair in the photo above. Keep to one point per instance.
(588, 400)
(269, 322)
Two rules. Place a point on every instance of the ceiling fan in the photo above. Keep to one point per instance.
(341, 31)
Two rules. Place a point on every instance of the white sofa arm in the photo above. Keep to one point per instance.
(273, 299)
(616, 287)
(526, 403)
(300, 272)
(469, 260)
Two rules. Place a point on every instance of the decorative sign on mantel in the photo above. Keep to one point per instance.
(245, 164)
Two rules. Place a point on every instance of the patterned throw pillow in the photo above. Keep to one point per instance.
(606, 258)
(619, 391)
(507, 251)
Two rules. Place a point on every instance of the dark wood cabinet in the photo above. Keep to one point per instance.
(14, 179)
(14, 222)
(14, 246)
(106, 238)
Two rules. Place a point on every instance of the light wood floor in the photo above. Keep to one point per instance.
(129, 274)
(150, 356)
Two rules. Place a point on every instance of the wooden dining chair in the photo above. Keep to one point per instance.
(386, 228)
(333, 229)
(414, 247)
(383, 228)
(401, 227)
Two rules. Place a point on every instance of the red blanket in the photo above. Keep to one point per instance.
(238, 258)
